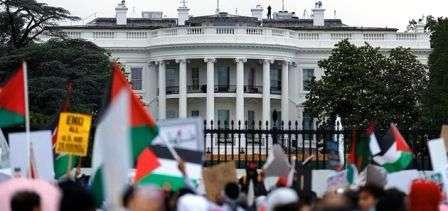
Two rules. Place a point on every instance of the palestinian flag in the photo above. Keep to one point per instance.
(360, 155)
(143, 127)
(167, 173)
(392, 152)
(12, 100)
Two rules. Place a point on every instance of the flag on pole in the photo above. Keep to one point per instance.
(12, 100)
(143, 125)
(166, 167)
(62, 161)
(392, 152)
(143, 129)
(111, 153)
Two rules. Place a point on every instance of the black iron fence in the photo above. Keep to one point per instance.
(251, 142)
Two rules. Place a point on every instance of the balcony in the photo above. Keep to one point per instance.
(171, 90)
(253, 89)
(246, 35)
(197, 89)
(225, 89)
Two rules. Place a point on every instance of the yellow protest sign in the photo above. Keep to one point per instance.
(73, 133)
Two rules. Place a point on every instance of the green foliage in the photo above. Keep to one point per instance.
(436, 100)
(51, 65)
(362, 85)
(22, 21)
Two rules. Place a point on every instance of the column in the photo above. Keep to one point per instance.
(162, 90)
(240, 89)
(285, 93)
(182, 88)
(266, 111)
(210, 90)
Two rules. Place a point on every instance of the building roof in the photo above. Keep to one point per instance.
(223, 19)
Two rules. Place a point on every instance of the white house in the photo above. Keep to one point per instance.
(229, 67)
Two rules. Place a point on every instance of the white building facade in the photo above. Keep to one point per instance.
(225, 67)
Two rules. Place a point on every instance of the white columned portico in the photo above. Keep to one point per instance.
(162, 90)
(210, 89)
(266, 107)
(240, 89)
(182, 88)
(285, 92)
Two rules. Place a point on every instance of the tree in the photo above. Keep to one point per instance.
(436, 100)
(51, 65)
(22, 21)
(362, 85)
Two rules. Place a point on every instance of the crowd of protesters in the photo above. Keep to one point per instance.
(424, 195)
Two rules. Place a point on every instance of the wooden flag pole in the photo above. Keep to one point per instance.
(171, 149)
(69, 166)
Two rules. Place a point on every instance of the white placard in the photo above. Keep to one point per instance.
(42, 153)
(182, 133)
(402, 180)
(337, 181)
(438, 154)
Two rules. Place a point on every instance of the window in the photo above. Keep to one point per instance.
(195, 113)
(307, 124)
(136, 78)
(308, 75)
(223, 118)
(170, 114)
(172, 81)
(223, 76)
(195, 78)
(172, 77)
(279, 119)
(251, 119)
(252, 78)
(276, 80)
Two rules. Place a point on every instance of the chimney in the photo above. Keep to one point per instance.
(121, 13)
(257, 12)
(182, 13)
(318, 14)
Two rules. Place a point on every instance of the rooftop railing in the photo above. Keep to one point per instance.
(254, 35)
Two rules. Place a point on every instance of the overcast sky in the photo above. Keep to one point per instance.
(381, 13)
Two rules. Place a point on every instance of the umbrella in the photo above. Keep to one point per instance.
(49, 194)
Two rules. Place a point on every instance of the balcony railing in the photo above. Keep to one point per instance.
(197, 89)
(170, 90)
(225, 89)
(253, 89)
(252, 35)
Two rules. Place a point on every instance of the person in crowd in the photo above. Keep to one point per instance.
(333, 202)
(26, 201)
(127, 196)
(147, 198)
(75, 197)
(392, 200)
(424, 195)
(282, 199)
(257, 179)
(306, 200)
(191, 202)
(368, 197)
(232, 197)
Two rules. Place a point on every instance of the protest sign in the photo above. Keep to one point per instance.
(185, 134)
(402, 180)
(339, 180)
(437, 153)
(73, 134)
(41, 149)
(444, 135)
(216, 177)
